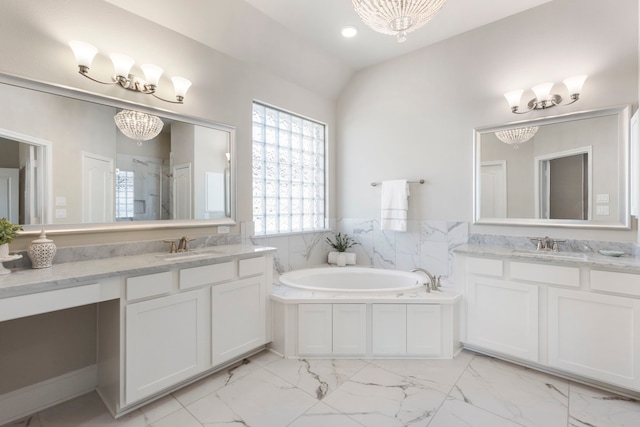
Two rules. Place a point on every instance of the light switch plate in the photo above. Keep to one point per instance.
(223, 229)
(602, 210)
(602, 198)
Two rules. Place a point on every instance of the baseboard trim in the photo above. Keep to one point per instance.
(21, 403)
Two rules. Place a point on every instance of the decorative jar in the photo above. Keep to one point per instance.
(41, 251)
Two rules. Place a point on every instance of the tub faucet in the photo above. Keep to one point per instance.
(432, 280)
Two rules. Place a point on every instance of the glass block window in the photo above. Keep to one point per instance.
(124, 194)
(288, 172)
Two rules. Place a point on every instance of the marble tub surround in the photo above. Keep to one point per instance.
(267, 391)
(102, 251)
(426, 244)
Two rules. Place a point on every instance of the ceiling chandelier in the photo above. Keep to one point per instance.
(137, 125)
(397, 17)
(516, 136)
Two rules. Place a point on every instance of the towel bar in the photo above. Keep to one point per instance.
(374, 184)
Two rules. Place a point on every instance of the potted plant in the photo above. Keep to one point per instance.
(341, 243)
(8, 232)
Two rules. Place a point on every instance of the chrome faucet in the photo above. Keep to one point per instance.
(545, 243)
(433, 281)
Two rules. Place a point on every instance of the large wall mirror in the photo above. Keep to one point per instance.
(66, 165)
(569, 171)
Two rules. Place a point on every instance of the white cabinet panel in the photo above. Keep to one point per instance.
(503, 317)
(484, 266)
(389, 329)
(610, 281)
(545, 273)
(206, 274)
(424, 331)
(595, 335)
(238, 318)
(315, 332)
(149, 285)
(349, 329)
(165, 342)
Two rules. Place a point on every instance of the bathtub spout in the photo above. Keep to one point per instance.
(432, 280)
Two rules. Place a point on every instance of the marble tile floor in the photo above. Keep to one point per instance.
(267, 391)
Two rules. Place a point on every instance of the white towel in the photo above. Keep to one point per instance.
(395, 204)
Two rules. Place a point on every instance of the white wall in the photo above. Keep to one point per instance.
(413, 117)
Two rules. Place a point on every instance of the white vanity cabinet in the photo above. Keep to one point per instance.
(568, 318)
(179, 325)
(165, 341)
(406, 330)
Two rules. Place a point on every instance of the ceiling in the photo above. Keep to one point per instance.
(321, 21)
(300, 41)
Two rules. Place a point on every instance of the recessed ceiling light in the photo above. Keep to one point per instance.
(349, 31)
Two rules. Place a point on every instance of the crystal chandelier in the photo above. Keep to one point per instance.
(397, 17)
(137, 125)
(516, 136)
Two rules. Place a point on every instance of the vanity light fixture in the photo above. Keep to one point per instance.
(516, 136)
(138, 126)
(544, 98)
(397, 17)
(84, 53)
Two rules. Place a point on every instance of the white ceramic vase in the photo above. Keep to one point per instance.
(4, 251)
(350, 258)
(341, 259)
(41, 252)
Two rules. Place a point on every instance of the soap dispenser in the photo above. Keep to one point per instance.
(41, 251)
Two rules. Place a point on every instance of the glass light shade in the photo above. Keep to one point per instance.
(397, 17)
(574, 84)
(152, 73)
(181, 86)
(513, 97)
(517, 136)
(137, 125)
(84, 52)
(121, 63)
(349, 31)
(542, 91)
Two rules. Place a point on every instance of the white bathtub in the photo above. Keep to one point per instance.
(353, 280)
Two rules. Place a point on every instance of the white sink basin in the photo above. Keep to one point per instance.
(196, 254)
(557, 255)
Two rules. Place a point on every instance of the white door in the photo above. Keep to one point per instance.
(503, 316)
(9, 199)
(182, 204)
(349, 329)
(389, 329)
(314, 329)
(166, 342)
(237, 318)
(595, 335)
(97, 188)
(424, 336)
(493, 191)
(34, 200)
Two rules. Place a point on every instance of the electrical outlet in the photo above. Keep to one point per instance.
(602, 210)
(61, 213)
(602, 198)
(223, 229)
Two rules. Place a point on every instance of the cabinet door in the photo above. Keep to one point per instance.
(389, 329)
(424, 336)
(165, 342)
(349, 329)
(595, 335)
(503, 317)
(238, 318)
(315, 329)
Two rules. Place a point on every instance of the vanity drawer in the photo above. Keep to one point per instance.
(206, 275)
(148, 285)
(545, 273)
(485, 267)
(251, 266)
(620, 283)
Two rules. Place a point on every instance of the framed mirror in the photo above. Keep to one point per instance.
(68, 166)
(564, 171)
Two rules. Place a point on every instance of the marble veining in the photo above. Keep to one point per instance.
(267, 391)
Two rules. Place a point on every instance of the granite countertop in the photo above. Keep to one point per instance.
(71, 274)
(626, 263)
